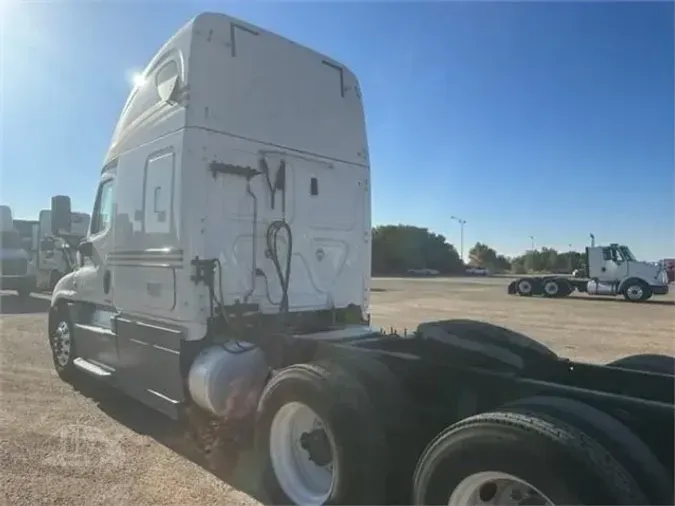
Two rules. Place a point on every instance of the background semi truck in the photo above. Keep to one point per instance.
(28, 232)
(51, 256)
(56, 255)
(225, 282)
(610, 270)
(16, 270)
(669, 265)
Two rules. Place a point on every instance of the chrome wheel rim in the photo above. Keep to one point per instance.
(61, 344)
(496, 488)
(634, 292)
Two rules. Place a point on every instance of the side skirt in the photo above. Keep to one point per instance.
(149, 363)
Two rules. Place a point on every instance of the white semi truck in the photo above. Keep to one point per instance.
(51, 256)
(28, 232)
(16, 269)
(56, 254)
(610, 270)
(225, 281)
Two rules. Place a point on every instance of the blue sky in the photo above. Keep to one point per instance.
(550, 119)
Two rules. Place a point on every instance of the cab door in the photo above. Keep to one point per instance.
(95, 338)
(614, 267)
(606, 267)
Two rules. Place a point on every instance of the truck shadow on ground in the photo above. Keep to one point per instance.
(11, 304)
(236, 469)
(595, 298)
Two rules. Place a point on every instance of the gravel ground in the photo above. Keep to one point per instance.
(61, 446)
(580, 327)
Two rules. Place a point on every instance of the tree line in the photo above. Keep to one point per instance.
(396, 249)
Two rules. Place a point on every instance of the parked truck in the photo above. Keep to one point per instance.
(56, 253)
(16, 269)
(28, 232)
(610, 270)
(669, 265)
(225, 282)
(51, 256)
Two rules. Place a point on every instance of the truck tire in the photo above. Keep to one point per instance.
(381, 385)
(515, 456)
(636, 290)
(556, 288)
(318, 439)
(494, 335)
(567, 287)
(631, 451)
(525, 287)
(551, 288)
(62, 344)
(396, 414)
(648, 362)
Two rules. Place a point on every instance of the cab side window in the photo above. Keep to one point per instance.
(606, 254)
(103, 207)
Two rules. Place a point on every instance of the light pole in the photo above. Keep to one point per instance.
(569, 256)
(461, 235)
(529, 255)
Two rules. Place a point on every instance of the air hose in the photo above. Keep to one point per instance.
(273, 248)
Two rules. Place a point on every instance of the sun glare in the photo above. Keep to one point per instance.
(138, 80)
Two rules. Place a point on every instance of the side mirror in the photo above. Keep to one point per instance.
(60, 215)
(86, 249)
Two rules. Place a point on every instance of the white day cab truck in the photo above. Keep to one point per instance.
(225, 282)
(17, 272)
(610, 270)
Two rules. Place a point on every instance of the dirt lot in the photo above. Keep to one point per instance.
(591, 329)
(59, 446)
